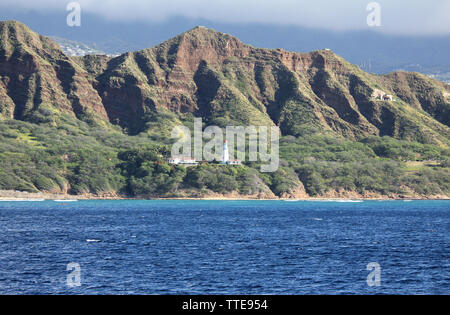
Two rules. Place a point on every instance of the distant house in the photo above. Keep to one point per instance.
(182, 161)
(388, 97)
(234, 162)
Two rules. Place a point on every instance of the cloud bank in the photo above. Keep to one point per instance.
(397, 16)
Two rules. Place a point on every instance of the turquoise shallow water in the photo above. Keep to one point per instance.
(225, 247)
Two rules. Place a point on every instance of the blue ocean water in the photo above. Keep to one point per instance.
(225, 247)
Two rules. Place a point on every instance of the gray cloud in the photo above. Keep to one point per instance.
(397, 16)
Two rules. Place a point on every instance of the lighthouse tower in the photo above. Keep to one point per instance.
(225, 153)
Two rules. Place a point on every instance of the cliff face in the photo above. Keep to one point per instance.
(217, 77)
(37, 80)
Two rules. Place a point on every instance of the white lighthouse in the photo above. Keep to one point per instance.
(225, 153)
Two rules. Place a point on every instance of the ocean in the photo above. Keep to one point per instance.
(225, 247)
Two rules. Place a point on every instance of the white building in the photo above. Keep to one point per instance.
(225, 153)
(182, 161)
(226, 156)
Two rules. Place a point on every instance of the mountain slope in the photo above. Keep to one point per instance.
(39, 80)
(217, 77)
(100, 126)
(422, 93)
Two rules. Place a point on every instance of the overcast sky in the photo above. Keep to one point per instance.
(397, 16)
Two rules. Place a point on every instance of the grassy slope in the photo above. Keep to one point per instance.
(77, 158)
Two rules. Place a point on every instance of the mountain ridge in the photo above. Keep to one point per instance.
(250, 86)
(32, 62)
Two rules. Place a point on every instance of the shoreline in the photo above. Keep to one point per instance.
(16, 196)
(84, 198)
(213, 199)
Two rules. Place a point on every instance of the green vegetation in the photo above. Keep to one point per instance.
(74, 157)
(375, 164)
(82, 159)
